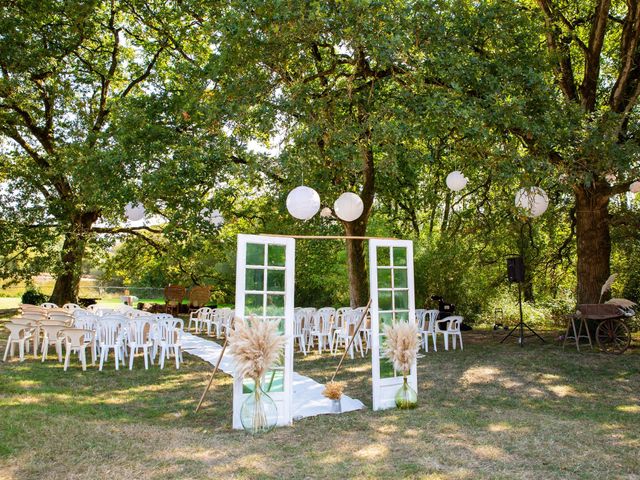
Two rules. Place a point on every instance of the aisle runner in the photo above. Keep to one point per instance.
(308, 400)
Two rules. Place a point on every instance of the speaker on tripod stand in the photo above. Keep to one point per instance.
(515, 269)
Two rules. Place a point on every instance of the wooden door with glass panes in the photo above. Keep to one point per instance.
(264, 289)
(392, 299)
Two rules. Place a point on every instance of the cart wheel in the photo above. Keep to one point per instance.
(613, 336)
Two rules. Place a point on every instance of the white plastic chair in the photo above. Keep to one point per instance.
(93, 308)
(19, 334)
(109, 336)
(140, 336)
(49, 305)
(342, 336)
(198, 317)
(298, 330)
(52, 335)
(169, 333)
(452, 327)
(428, 328)
(77, 340)
(322, 328)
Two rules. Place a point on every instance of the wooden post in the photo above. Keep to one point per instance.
(224, 347)
(364, 315)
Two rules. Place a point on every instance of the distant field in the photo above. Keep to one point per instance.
(13, 302)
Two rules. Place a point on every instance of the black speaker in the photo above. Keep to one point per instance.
(515, 269)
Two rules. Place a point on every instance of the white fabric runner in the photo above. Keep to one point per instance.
(308, 400)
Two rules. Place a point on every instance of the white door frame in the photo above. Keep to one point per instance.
(283, 399)
(385, 389)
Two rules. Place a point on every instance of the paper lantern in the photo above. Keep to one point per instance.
(134, 212)
(348, 207)
(326, 212)
(214, 217)
(532, 200)
(635, 187)
(303, 203)
(456, 181)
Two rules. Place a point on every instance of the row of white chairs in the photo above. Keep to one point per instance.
(217, 319)
(116, 329)
(430, 326)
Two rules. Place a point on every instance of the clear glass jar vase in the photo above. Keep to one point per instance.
(407, 397)
(259, 413)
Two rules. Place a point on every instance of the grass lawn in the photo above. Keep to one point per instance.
(490, 411)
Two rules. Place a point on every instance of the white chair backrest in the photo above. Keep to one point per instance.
(170, 330)
(49, 305)
(51, 331)
(28, 308)
(454, 322)
(323, 319)
(432, 315)
(71, 307)
(109, 331)
(139, 330)
(77, 337)
(17, 330)
(298, 324)
(24, 321)
(93, 308)
(34, 316)
(203, 313)
(341, 313)
(420, 315)
(85, 322)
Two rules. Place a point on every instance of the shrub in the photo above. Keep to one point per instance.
(33, 296)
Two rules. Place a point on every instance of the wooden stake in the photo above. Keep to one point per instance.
(364, 315)
(224, 347)
(324, 237)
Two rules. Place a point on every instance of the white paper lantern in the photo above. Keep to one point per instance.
(303, 203)
(456, 181)
(348, 207)
(134, 211)
(635, 187)
(532, 200)
(214, 217)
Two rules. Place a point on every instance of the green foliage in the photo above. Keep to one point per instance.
(33, 296)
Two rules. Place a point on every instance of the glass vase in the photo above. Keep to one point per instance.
(336, 406)
(258, 413)
(406, 397)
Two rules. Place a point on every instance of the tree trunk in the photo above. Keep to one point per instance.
(358, 282)
(67, 283)
(593, 242)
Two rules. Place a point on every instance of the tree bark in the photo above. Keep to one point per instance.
(593, 241)
(67, 283)
(358, 282)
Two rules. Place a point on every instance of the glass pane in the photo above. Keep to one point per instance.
(275, 280)
(275, 305)
(399, 278)
(402, 316)
(248, 385)
(401, 299)
(277, 255)
(384, 278)
(386, 367)
(399, 256)
(254, 279)
(384, 301)
(385, 319)
(384, 256)
(253, 304)
(255, 254)
(274, 381)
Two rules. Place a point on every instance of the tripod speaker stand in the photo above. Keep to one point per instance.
(515, 274)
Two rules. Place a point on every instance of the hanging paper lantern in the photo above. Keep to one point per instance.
(303, 203)
(635, 187)
(348, 207)
(134, 212)
(214, 217)
(456, 181)
(326, 212)
(532, 200)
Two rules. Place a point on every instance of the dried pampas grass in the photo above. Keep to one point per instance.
(333, 390)
(401, 345)
(607, 285)
(621, 302)
(256, 346)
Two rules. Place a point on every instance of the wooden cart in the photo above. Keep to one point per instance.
(611, 332)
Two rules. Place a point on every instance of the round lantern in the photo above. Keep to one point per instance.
(348, 207)
(635, 187)
(134, 212)
(303, 203)
(533, 201)
(214, 217)
(456, 181)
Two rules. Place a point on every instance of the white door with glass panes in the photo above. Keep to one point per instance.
(264, 289)
(392, 299)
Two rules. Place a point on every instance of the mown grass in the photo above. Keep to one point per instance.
(490, 411)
